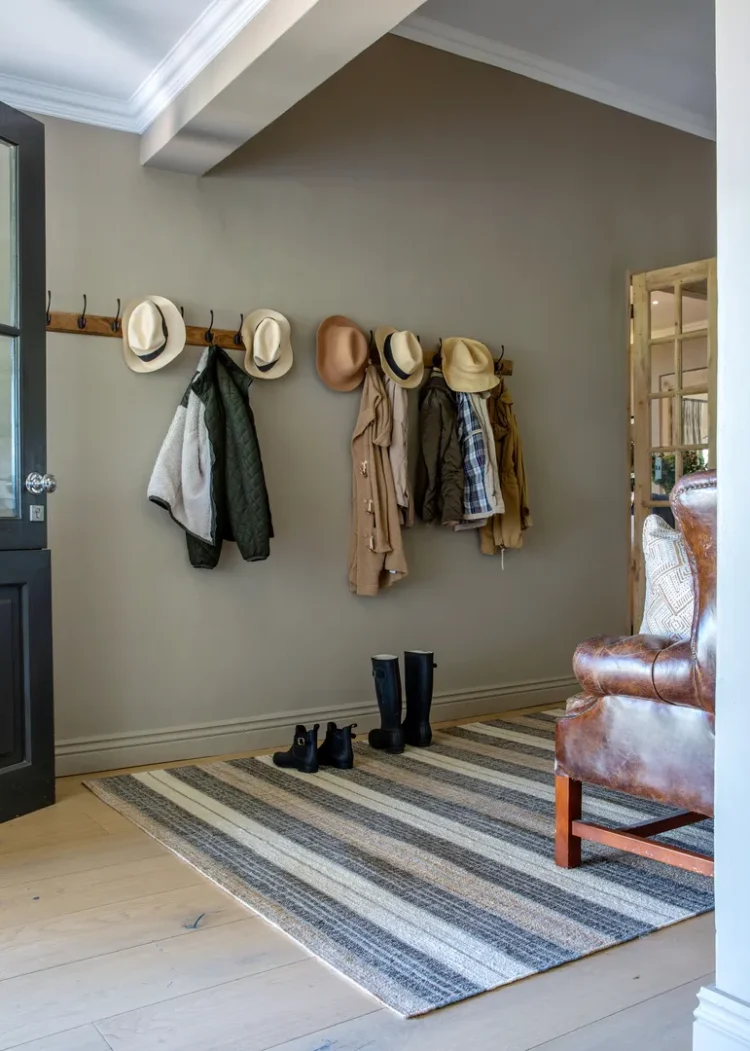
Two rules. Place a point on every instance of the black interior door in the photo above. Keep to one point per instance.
(26, 720)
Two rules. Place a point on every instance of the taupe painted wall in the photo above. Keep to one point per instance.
(414, 188)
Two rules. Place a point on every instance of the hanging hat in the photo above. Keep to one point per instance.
(343, 353)
(400, 355)
(153, 333)
(267, 336)
(468, 366)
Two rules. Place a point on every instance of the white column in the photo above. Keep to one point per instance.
(723, 1015)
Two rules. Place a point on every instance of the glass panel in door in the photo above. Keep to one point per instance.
(662, 312)
(8, 238)
(695, 305)
(8, 429)
(8, 333)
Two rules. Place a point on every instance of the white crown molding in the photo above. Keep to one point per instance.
(222, 20)
(216, 27)
(494, 53)
(115, 751)
(35, 96)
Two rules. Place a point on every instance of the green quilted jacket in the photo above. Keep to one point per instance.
(209, 474)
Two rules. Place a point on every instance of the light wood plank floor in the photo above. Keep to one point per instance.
(108, 942)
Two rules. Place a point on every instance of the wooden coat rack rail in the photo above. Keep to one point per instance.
(99, 325)
(197, 335)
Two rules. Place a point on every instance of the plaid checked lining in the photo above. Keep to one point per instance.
(477, 501)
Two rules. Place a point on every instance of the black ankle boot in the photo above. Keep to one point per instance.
(418, 666)
(337, 749)
(303, 755)
(387, 677)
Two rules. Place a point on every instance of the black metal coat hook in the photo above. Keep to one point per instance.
(208, 335)
(116, 323)
(237, 340)
(372, 349)
(49, 304)
(82, 316)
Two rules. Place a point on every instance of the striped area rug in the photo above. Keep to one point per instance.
(426, 877)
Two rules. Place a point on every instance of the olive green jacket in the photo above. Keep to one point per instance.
(439, 491)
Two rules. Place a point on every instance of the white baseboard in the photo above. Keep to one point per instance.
(81, 755)
(722, 1022)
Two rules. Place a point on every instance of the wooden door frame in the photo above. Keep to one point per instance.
(643, 284)
(27, 134)
(27, 756)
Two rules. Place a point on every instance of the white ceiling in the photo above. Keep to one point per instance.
(108, 48)
(111, 62)
(121, 63)
(651, 57)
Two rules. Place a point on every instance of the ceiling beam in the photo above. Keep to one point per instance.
(285, 51)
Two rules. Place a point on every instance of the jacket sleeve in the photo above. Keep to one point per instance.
(202, 554)
(427, 465)
(523, 485)
(452, 469)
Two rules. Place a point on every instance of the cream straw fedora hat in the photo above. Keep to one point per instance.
(153, 333)
(400, 355)
(267, 337)
(468, 366)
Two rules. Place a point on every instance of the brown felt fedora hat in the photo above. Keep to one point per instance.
(342, 354)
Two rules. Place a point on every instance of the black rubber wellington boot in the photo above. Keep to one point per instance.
(387, 675)
(303, 755)
(418, 669)
(337, 749)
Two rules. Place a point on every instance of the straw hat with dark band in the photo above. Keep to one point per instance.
(153, 333)
(400, 355)
(267, 337)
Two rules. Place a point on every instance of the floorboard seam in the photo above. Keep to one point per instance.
(613, 1014)
(202, 989)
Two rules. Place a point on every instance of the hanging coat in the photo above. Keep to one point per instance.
(439, 494)
(209, 474)
(491, 470)
(480, 498)
(398, 450)
(507, 529)
(376, 553)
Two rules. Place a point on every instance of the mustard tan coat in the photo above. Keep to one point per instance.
(376, 553)
(507, 529)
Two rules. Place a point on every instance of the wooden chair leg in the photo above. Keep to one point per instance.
(567, 810)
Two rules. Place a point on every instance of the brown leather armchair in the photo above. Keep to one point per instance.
(644, 723)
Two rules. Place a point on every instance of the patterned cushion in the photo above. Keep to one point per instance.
(669, 603)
